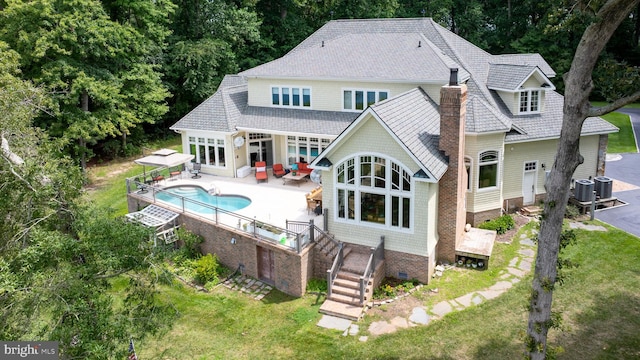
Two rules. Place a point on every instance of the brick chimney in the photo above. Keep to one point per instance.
(453, 185)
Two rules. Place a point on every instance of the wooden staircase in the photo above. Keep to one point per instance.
(344, 301)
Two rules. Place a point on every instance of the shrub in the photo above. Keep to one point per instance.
(206, 269)
(317, 285)
(571, 212)
(500, 225)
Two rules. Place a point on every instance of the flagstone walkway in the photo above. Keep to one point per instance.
(252, 287)
(518, 267)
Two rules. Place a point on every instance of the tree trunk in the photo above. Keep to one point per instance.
(578, 84)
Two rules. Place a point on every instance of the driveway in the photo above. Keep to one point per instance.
(625, 168)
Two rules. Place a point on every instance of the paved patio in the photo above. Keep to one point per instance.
(271, 202)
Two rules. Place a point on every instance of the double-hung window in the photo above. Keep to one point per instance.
(291, 96)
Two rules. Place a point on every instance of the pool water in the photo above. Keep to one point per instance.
(225, 202)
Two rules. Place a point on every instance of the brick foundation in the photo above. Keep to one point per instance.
(291, 270)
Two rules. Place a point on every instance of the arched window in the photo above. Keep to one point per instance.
(374, 189)
(488, 169)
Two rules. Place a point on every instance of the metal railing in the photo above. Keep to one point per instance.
(377, 255)
(294, 240)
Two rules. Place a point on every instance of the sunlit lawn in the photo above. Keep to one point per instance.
(624, 140)
(600, 304)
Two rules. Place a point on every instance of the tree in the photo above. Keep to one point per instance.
(68, 272)
(578, 85)
(100, 73)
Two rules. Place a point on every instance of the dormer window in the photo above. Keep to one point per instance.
(529, 101)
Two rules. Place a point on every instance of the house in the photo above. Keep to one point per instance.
(415, 130)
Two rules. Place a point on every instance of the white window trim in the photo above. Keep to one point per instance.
(529, 93)
(498, 171)
(196, 141)
(387, 192)
(353, 98)
(291, 87)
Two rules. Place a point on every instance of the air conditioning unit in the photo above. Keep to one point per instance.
(584, 190)
(603, 186)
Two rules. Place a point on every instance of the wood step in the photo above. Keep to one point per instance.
(345, 299)
(348, 283)
(341, 310)
(348, 291)
(346, 275)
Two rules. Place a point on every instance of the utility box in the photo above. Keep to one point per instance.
(584, 190)
(603, 186)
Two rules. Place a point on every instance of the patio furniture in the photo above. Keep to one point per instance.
(174, 172)
(278, 170)
(303, 168)
(156, 177)
(311, 205)
(142, 187)
(291, 177)
(196, 170)
(261, 171)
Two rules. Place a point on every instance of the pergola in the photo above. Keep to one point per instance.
(164, 158)
(157, 217)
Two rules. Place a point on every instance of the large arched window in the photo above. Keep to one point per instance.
(488, 169)
(374, 189)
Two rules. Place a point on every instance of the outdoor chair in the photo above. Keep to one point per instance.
(174, 172)
(196, 170)
(311, 205)
(278, 170)
(142, 187)
(156, 177)
(261, 171)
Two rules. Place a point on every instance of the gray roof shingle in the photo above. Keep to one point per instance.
(507, 76)
(415, 120)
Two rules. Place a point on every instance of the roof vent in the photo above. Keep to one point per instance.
(453, 77)
(322, 43)
(419, 43)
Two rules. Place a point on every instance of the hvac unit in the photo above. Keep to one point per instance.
(584, 190)
(603, 186)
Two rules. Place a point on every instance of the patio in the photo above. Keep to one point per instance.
(272, 202)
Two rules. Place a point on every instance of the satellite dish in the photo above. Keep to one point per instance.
(316, 176)
(238, 141)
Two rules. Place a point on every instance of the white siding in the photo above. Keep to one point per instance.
(544, 152)
(371, 137)
(483, 200)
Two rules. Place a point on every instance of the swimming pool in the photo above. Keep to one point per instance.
(196, 193)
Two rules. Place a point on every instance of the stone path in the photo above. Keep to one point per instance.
(252, 287)
(519, 266)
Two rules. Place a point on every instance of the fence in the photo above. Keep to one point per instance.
(294, 240)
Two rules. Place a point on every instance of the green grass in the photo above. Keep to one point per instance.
(107, 186)
(623, 141)
(599, 302)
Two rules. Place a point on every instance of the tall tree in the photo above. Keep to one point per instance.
(99, 72)
(578, 85)
(60, 260)
(210, 39)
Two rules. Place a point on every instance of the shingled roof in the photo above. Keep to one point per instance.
(388, 50)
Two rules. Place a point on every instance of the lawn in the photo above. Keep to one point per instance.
(624, 140)
(600, 306)
(599, 302)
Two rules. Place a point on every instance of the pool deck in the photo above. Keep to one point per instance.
(271, 202)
